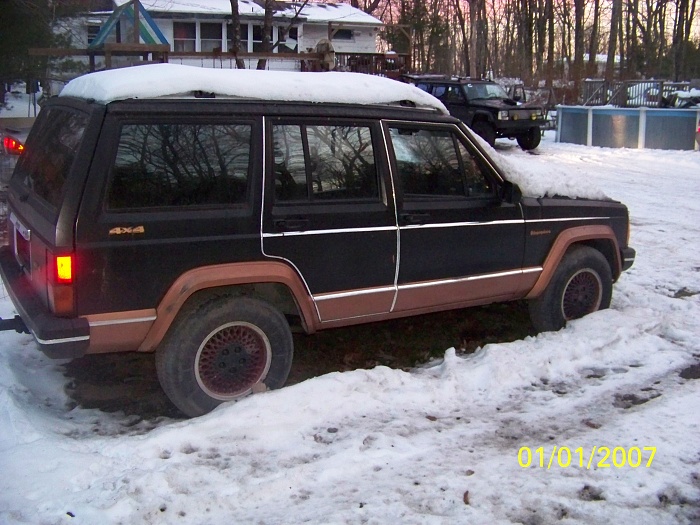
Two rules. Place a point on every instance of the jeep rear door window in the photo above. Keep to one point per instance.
(324, 212)
(433, 163)
(319, 162)
(46, 162)
(180, 165)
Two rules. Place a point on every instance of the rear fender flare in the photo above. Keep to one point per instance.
(223, 275)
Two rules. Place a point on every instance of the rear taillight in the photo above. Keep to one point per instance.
(64, 269)
(60, 285)
(12, 146)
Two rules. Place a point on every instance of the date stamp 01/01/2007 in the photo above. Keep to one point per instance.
(595, 458)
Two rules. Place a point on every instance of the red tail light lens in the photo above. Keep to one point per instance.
(60, 285)
(12, 146)
(64, 269)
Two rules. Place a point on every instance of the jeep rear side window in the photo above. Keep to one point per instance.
(324, 163)
(46, 162)
(434, 163)
(180, 165)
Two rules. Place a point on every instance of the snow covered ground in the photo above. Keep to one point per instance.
(439, 444)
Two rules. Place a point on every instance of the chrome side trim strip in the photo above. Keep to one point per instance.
(397, 264)
(411, 286)
(462, 224)
(566, 219)
(329, 232)
(508, 273)
(354, 293)
(60, 341)
(124, 321)
(427, 226)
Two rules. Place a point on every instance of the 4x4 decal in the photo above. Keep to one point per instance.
(121, 230)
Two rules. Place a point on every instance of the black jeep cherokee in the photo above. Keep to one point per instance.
(486, 108)
(156, 220)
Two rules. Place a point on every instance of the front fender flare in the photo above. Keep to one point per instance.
(579, 234)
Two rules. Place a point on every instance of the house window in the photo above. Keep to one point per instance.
(92, 32)
(342, 34)
(210, 36)
(244, 38)
(184, 37)
(289, 43)
(257, 38)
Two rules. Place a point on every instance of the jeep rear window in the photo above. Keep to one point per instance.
(46, 162)
(180, 165)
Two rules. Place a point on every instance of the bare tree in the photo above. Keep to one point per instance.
(236, 33)
(612, 42)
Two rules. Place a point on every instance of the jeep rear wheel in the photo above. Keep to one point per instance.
(222, 350)
(582, 284)
(531, 139)
(485, 131)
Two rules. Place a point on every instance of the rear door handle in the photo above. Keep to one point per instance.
(290, 225)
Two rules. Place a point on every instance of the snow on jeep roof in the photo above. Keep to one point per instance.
(162, 80)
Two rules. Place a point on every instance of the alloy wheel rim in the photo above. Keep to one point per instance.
(231, 360)
(582, 294)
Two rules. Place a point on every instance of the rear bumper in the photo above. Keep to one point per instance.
(57, 337)
(628, 255)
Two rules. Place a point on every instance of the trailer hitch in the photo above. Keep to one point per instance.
(15, 324)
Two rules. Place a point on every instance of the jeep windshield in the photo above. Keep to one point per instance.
(485, 91)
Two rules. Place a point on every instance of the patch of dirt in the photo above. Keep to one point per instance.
(630, 400)
(685, 292)
(127, 382)
(691, 372)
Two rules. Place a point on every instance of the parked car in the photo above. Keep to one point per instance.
(11, 147)
(486, 108)
(196, 215)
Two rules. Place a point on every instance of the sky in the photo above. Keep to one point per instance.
(456, 440)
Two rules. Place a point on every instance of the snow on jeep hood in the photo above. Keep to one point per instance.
(554, 180)
(161, 80)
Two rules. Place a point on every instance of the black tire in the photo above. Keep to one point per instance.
(247, 338)
(531, 139)
(485, 130)
(581, 284)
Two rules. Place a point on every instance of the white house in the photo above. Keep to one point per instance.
(192, 26)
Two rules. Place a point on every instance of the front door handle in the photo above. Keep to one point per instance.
(290, 225)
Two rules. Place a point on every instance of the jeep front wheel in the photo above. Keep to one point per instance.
(531, 139)
(485, 131)
(222, 350)
(581, 284)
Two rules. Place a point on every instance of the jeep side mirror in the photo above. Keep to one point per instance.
(517, 98)
(511, 192)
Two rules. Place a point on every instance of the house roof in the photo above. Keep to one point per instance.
(312, 12)
(170, 80)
